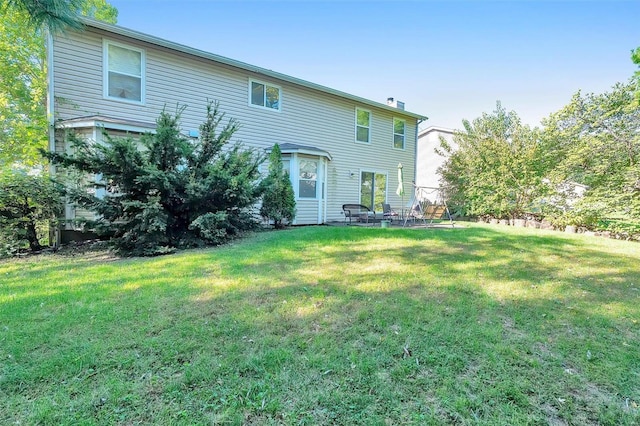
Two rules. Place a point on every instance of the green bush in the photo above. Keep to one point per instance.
(30, 202)
(278, 201)
(621, 229)
(167, 191)
(497, 169)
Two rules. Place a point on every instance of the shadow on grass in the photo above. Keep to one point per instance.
(330, 326)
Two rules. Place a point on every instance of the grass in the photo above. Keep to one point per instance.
(329, 325)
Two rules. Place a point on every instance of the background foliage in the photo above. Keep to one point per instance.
(596, 140)
(29, 203)
(501, 168)
(23, 72)
(498, 167)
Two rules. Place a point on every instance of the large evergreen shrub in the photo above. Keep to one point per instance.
(167, 191)
(278, 201)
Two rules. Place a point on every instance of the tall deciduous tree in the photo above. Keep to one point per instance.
(498, 167)
(167, 191)
(23, 73)
(596, 138)
(635, 57)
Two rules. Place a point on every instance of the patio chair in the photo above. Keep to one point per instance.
(359, 212)
(388, 213)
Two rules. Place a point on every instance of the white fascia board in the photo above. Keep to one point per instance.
(435, 129)
(312, 153)
(105, 125)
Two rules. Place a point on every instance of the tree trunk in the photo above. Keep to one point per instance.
(32, 237)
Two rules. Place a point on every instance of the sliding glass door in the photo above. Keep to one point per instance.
(373, 189)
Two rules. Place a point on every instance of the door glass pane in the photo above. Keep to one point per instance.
(373, 190)
(366, 189)
(380, 195)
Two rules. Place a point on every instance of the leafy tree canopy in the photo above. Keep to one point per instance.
(635, 57)
(56, 15)
(596, 139)
(23, 73)
(29, 201)
(498, 167)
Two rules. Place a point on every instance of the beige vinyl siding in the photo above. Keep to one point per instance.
(62, 145)
(307, 117)
(306, 212)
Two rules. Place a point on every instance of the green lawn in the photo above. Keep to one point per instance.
(329, 325)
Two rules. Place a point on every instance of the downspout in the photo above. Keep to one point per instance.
(54, 234)
(295, 167)
(50, 97)
(325, 198)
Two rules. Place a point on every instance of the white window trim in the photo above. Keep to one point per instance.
(297, 180)
(404, 135)
(105, 72)
(275, 86)
(355, 136)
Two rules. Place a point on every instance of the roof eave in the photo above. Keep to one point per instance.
(126, 32)
(437, 129)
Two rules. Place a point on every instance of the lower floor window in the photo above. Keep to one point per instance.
(308, 179)
(373, 189)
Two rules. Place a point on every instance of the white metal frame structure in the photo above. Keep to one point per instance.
(420, 203)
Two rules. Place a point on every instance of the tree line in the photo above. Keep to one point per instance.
(181, 193)
(582, 167)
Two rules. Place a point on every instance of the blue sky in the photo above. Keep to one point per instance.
(447, 60)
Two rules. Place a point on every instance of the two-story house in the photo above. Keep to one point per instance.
(339, 148)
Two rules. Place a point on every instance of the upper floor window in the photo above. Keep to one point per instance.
(265, 95)
(399, 127)
(123, 72)
(363, 125)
